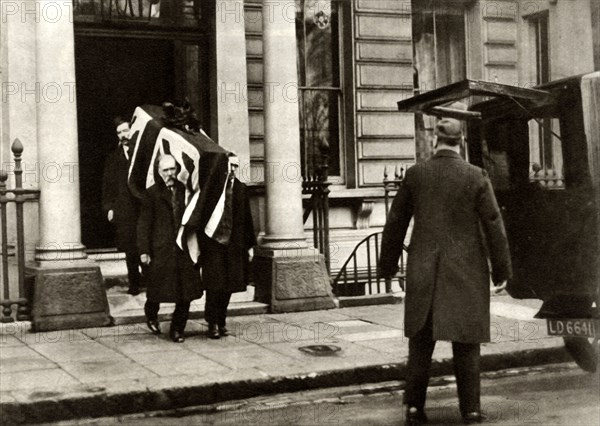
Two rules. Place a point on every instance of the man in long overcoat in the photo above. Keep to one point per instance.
(120, 206)
(226, 264)
(457, 223)
(171, 273)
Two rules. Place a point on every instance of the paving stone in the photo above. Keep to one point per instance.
(102, 370)
(12, 365)
(394, 346)
(15, 329)
(249, 357)
(21, 351)
(202, 344)
(285, 369)
(136, 343)
(176, 363)
(76, 351)
(50, 378)
(308, 317)
(271, 332)
(189, 368)
(349, 355)
(7, 340)
(337, 329)
(372, 335)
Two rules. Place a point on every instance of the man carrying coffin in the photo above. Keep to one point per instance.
(172, 277)
(119, 205)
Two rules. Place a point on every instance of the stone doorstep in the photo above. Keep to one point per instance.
(371, 299)
(139, 396)
(196, 312)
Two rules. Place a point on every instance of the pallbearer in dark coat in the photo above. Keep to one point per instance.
(120, 206)
(172, 276)
(225, 267)
(447, 289)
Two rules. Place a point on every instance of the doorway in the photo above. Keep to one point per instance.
(114, 76)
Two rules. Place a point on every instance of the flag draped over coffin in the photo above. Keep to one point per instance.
(203, 170)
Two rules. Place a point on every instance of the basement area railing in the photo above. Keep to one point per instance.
(358, 275)
(15, 297)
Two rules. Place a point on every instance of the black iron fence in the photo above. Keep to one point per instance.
(390, 186)
(172, 12)
(358, 275)
(14, 306)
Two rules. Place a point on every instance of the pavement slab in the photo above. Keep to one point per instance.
(76, 351)
(8, 341)
(125, 369)
(49, 378)
(104, 369)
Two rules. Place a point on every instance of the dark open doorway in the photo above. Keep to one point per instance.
(114, 75)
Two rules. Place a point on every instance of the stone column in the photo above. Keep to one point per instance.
(230, 105)
(290, 276)
(69, 291)
(17, 58)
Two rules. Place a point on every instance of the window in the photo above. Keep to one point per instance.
(162, 12)
(439, 34)
(318, 47)
(545, 153)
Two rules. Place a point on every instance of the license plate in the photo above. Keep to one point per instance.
(582, 327)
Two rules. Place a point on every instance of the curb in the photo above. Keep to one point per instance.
(89, 402)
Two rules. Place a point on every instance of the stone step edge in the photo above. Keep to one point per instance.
(235, 309)
(96, 402)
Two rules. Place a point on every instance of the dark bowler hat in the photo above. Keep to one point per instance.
(448, 128)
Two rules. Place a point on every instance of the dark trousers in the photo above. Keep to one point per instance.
(215, 308)
(466, 369)
(180, 315)
(133, 270)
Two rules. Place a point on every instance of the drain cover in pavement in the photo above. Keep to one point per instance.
(320, 350)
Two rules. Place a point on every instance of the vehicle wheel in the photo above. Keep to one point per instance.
(583, 351)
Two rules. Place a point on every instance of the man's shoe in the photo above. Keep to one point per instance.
(415, 417)
(176, 336)
(213, 331)
(473, 417)
(154, 326)
(134, 291)
(223, 331)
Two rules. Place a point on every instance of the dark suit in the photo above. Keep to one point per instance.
(447, 291)
(225, 268)
(117, 197)
(171, 273)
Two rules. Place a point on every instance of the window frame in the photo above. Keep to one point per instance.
(343, 112)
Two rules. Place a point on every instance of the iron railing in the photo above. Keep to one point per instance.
(166, 12)
(391, 185)
(19, 196)
(317, 186)
(358, 275)
(356, 280)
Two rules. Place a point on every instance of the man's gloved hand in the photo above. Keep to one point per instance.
(500, 286)
(110, 216)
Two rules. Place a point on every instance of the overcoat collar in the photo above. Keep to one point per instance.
(165, 193)
(448, 153)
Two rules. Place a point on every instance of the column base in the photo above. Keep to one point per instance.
(68, 295)
(292, 280)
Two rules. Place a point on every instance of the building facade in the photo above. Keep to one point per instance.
(328, 83)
